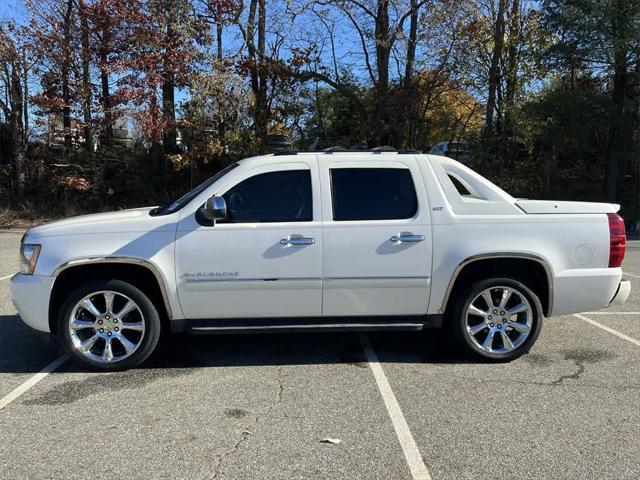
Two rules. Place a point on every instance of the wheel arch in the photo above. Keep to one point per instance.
(531, 269)
(139, 272)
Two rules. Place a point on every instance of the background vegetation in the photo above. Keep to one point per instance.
(110, 104)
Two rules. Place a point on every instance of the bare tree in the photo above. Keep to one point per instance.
(494, 74)
(14, 107)
(86, 76)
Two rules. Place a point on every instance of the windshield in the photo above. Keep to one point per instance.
(186, 198)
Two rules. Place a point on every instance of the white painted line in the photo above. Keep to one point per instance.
(612, 313)
(8, 276)
(17, 392)
(416, 464)
(607, 329)
(630, 274)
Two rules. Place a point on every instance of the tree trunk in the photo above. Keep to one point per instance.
(411, 44)
(169, 138)
(512, 66)
(258, 72)
(66, 94)
(262, 73)
(25, 89)
(17, 144)
(498, 42)
(219, 39)
(156, 151)
(86, 79)
(622, 115)
(404, 116)
(615, 146)
(104, 81)
(222, 128)
(383, 53)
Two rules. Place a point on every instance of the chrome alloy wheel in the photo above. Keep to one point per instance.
(499, 319)
(106, 326)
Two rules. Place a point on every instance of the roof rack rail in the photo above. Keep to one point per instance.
(341, 149)
(334, 148)
(383, 148)
(388, 148)
(291, 151)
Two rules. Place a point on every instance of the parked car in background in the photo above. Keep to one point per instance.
(458, 151)
(323, 241)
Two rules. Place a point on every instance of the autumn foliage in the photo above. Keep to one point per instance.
(116, 103)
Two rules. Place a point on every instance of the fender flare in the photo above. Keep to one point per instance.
(496, 255)
(127, 260)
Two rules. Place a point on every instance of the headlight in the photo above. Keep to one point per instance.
(28, 257)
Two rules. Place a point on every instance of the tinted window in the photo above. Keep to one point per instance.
(271, 197)
(462, 190)
(373, 194)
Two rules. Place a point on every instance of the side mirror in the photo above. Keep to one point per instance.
(215, 208)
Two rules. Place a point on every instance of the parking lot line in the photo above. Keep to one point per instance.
(607, 329)
(416, 464)
(612, 313)
(17, 392)
(630, 274)
(7, 277)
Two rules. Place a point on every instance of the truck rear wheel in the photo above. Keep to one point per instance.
(108, 325)
(498, 319)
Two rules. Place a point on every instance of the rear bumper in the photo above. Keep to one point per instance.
(624, 289)
(30, 295)
(585, 290)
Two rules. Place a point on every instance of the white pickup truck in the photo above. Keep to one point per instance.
(317, 242)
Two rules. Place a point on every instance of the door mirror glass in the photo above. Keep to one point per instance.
(215, 208)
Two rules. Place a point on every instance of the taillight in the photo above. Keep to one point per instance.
(617, 240)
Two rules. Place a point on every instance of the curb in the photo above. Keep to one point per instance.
(14, 226)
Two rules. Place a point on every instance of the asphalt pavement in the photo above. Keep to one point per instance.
(258, 406)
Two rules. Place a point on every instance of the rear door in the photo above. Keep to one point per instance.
(376, 236)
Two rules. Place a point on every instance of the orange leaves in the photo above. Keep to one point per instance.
(73, 183)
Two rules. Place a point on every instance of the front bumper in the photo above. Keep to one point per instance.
(30, 295)
(621, 295)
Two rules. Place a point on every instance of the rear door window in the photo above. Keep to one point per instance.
(373, 194)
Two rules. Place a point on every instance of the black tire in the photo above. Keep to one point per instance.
(458, 320)
(151, 320)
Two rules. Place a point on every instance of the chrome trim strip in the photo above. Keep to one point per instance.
(129, 260)
(419, 277)
(236, 279)
(489, 256)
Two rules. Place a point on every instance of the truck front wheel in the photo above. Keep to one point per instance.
(497, 319)
(108, 325)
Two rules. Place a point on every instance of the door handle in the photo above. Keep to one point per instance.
(297, 241)
(407, 237)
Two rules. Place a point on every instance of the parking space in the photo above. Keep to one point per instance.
(259, 406)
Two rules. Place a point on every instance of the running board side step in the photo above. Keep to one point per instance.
(336, 327)
(288, 325)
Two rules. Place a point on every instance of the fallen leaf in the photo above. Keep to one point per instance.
(333, 441)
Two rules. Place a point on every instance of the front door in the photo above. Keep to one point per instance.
(265, 259)
(377, 238)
